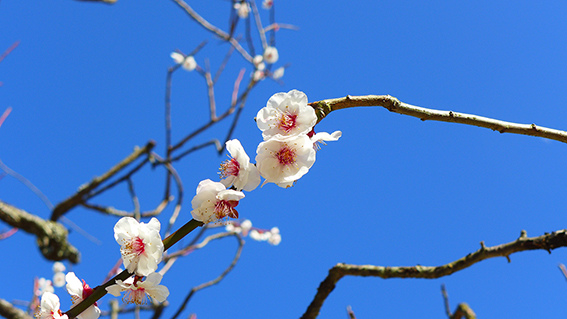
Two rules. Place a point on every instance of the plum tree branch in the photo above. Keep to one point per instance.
(85, 190)
(392, 104)
(7, 310)
(51, 236)
(546, 242)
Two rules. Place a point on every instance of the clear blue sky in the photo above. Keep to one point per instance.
(87, 84)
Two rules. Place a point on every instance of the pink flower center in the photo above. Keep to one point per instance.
(225, 208)
(229, 167)
(287, 122)
(135, 246)
(137, 296)
(286, 155)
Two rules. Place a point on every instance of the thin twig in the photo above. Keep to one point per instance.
(28, 184)
(86, 189)
(446, 301)
(324, 107)
(5, 115)
(546, 242)
(9, 50)
(214, 281)
(135, 200)
(259, 24)
(205, 24)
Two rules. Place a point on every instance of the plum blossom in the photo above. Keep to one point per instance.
(242, 9)
(258, 75)
(43, 285)
(138, 292)
(141, 245)
(80, 291)
(242, 228)
(322, 137)
(271, 55)
(49, 307)
(272, 236)
(284, 159)
(278, 73)
(238, 171)
(59, 279)
(214, 202)
(267, 4)
(286, 114)
(258, 62)
(187, 62)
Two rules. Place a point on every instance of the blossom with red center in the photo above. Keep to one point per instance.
(49, 307)
(140, 244)
(271, 55)
(238, 171)
(286, 114)
(284, 159)
(80, 291)
(140, 292)
(214, 202)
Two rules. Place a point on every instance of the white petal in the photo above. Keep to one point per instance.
(115, 290)
(177, 57)
(74, 285)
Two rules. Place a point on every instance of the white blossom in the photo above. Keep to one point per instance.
(267, 4)
(271, 55)
(286, 114)
(258, 62)
(278, 73)
(272, 236)
(80, 291)
(214, 202)
(58, 267)
(49, 307)
(242, 228)
(138, 292)
(238, 171)
(258, 75)
(275, 237)
(242, 9)
(323, 137)
(43, 285)
(283, 160)
(187, 62)
(59, 279)
(141, 245)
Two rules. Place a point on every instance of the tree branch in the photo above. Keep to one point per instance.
(546, 242)
(7, 310)
(324, 107)
(51, 236)
(86, 189)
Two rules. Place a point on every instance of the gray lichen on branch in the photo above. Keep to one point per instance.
(51, 236)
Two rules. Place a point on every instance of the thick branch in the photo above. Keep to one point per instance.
(79, 197)
(7, 310)
(324, 107)
(546, 242)
(51, 236)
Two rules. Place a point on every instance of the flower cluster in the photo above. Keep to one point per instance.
(245, 228)
(286, 154)
(289, 146)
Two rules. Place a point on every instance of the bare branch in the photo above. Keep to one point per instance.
(546, 242)
(51, 236)
(205, 24)
(9, 50)
(104, 1)
(214, 281)
(7, 310)
(324, 107)
(86, 189)
(463, 309)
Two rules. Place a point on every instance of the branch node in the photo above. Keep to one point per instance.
(482, 246)
(534, 127)
(523, 234)
(508, 258)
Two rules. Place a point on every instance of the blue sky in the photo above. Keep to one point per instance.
(87, 84)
